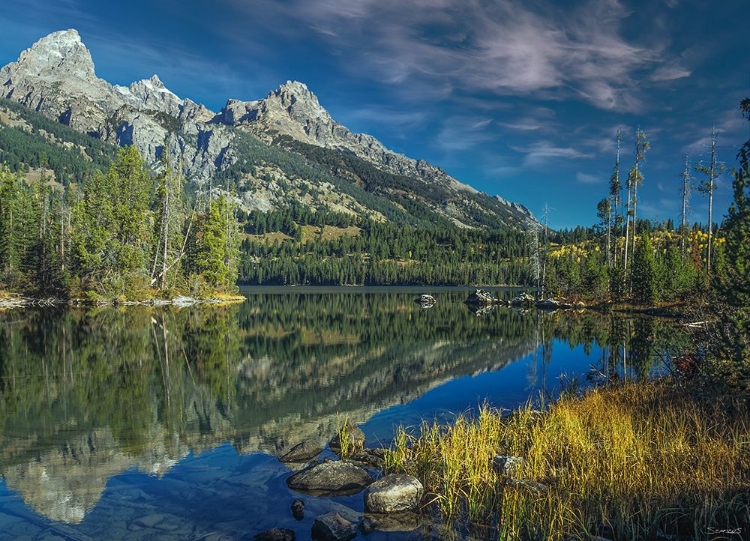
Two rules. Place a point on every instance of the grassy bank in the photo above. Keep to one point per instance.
(626, 462)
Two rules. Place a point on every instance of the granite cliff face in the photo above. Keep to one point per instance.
(56, 77)
(295, 111)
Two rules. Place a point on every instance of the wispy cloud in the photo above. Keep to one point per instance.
(670, 73)
(464, 133)
(587, 178)
(543, 152)
(507, 47)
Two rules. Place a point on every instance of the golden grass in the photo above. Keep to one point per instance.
(622, 462)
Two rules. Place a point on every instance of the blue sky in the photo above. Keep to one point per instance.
(520, 98)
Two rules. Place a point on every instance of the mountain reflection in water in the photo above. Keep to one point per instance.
(90, 395)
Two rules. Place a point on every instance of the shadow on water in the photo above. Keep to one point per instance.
(159, 419)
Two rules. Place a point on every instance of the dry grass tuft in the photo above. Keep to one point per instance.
(625, 462)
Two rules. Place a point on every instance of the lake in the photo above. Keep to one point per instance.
(163, 423)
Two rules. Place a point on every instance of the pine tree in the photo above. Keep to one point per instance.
(215, 246)
(111, 227)
(19, 224)
(644, 272)
(734, 283)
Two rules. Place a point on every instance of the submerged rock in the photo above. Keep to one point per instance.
(333, 527)
(298, 509)
(302, 452)
(275, 534)
(403, 521)
(395, 492)
(374, 458)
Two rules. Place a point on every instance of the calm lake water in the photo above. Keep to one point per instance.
(161, 423)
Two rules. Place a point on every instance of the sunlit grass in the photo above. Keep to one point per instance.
(622, 462)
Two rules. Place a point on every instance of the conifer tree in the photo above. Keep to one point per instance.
(215, 246)
(19, 223)
(734, 282)
(111, 226)
(644, 272)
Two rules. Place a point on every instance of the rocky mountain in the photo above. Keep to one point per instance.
(233, 147)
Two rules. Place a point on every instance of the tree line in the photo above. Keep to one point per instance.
(376, 253)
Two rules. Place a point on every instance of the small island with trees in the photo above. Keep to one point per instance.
(121, 235)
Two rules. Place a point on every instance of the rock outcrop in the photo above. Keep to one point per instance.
(293, 110)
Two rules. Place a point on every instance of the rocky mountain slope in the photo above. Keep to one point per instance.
(233, 148)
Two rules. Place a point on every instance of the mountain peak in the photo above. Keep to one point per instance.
(61, 39)
(298, 100)
(295, 88)
(58, 52)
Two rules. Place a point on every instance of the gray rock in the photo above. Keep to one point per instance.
(374, 458)
(480, 296)
(522, 299)
(548, 304)
(330, 478)
(333, 527)
(395, 492)
(151, 95)
(509, 466)
(275, 534)
(182, 301)
(302, 452)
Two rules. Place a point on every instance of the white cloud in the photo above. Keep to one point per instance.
(464, 133)
(543, 152)
(586, 178)
(670, 73)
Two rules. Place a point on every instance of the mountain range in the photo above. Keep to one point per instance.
(271, 152)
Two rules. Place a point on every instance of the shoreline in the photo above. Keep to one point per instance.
(14, 300)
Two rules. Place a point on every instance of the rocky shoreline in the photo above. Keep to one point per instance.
(10, 301)
(391, 501)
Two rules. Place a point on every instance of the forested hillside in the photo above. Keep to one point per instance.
(29, 140)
